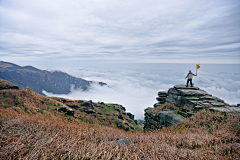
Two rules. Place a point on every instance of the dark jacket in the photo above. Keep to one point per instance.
(190, 75)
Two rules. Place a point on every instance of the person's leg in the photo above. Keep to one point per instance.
(187, 82)
(191, 82)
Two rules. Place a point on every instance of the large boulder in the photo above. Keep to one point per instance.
(120, 116)
(87, 105)
(73, 106)
(67, 111)
(120, 142)
(165, 118)
(130, 115)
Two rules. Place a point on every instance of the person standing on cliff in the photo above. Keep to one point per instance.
(190, 76)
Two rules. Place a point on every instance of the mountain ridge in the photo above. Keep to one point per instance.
(56, 82)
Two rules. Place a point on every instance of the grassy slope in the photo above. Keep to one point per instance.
(31, 130)
(34, 103)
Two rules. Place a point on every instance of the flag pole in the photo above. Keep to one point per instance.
(197, 67)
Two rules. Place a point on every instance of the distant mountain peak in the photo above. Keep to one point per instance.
(8, 65)
(56, 82)
(12, 66)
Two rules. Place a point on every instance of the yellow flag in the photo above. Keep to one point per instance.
(198, 66)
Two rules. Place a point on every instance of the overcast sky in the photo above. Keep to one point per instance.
(153, 31)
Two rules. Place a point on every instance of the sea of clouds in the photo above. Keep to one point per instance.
(135, 86)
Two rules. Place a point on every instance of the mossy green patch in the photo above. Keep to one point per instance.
(176, 111)
(137, 127)
(108, 109)
(48, 103)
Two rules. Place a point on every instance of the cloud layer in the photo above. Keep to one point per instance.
(127, 30)
(135, 86)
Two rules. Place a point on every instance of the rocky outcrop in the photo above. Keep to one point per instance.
(68, 112)
(195, 98)
(120, 142)
(98, 112)
(165, 118)
(130, 115)
(87, 105)
(188, 100)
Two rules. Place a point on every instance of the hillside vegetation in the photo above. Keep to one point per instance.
(80, 110)
(32, 128)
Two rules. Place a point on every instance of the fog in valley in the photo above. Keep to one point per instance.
(135, 86)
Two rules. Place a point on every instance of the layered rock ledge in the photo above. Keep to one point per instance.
(195, 98)
(187, 100)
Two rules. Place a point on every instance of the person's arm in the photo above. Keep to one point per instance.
(186, 76)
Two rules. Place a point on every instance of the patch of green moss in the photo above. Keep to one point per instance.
(26, 109)
(137, 127)
(108, 109)
(21, 105)
(176, 111)
(48, 103)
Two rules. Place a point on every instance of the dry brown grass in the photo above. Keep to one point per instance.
(37, 136)
(34, 103)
